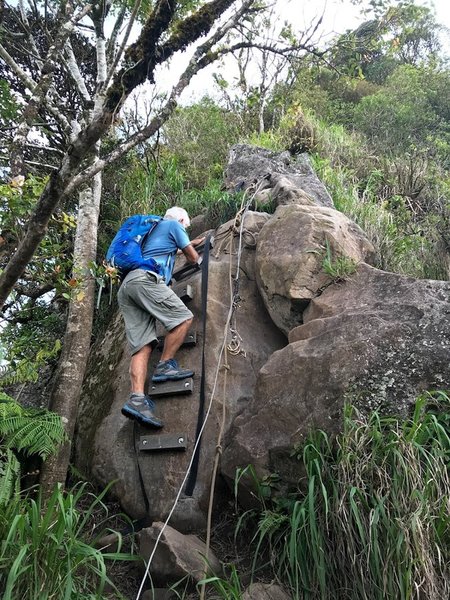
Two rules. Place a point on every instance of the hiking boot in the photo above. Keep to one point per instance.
(169, 370)
(141, 408)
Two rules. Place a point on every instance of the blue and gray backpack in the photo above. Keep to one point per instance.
(125, 251)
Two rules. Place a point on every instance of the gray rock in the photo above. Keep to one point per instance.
(176, 555)
(105, 442)
(377, 340)
(282, 174)
(290, 254)
(265, 591)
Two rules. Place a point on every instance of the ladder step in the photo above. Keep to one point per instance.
(171, 388)
(168, 441)
(184, 291)
(185, 271)
(189, 340)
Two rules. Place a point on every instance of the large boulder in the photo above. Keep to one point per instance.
(290, 254)
(373, 338)
(377, 340)
(278, 177)
(107, 443)
(176, 556)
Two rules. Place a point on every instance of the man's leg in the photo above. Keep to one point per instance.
(174, 339)
(167, 369)
(140, 406)
(139, 327)
(138, 369)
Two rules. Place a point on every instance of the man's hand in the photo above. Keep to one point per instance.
(198, 241)
(195, 242)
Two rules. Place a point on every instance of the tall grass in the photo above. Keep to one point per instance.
(46, 553)
(363, 188)
(401, 246)
(154, 190)
(372, 519)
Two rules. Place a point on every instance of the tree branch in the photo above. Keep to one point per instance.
(201, 58)
(34, 292)
(119, 54)
(24, 78)
(200, 23)
(110, 48)
(74, 72)
(140, 57)
(61, 181)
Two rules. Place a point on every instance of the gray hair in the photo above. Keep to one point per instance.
(178, 214)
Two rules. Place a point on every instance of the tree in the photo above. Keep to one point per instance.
(262, 65)
(76, 116)
(396, 35)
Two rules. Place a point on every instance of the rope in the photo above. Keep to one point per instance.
(234, 348)
(223, 352)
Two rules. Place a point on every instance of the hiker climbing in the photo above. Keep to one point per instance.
(144, 251)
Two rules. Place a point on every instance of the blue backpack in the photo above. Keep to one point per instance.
(125, 251)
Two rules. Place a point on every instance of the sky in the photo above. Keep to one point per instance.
(338, 16)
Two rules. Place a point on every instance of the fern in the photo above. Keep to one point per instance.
(9, 475)
(30, 430)
(8, 406)
(35, 432)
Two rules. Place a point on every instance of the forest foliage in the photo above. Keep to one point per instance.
(373, 112)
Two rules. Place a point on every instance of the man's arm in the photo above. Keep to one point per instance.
(191, 254)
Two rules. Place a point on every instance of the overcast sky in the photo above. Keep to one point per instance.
(338, 16)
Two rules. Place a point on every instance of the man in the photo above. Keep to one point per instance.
(145, 297)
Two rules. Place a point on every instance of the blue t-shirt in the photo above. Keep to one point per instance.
(162, 245)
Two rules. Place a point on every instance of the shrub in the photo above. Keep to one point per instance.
(199, 137)
(370, 520)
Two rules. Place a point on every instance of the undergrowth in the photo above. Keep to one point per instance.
(47, 551)
(401, 246)
(370, 519)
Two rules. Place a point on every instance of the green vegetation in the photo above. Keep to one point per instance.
(23, 432)
(338, 267)
(48, 552)
(370, 518)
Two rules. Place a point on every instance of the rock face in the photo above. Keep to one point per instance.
(300, 342)
(377, 340)
(279, 176)
(290, 254)
(106, 445)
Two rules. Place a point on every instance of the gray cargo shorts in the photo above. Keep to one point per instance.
(144, 298)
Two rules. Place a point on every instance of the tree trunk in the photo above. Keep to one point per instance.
(69, 377)
(261, 108)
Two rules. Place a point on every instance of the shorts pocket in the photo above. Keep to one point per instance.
(162, 294)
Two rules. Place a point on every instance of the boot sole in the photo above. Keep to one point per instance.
(162, 378)
(135, 416)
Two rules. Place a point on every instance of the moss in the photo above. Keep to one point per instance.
(195, 26)
(142, 56)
